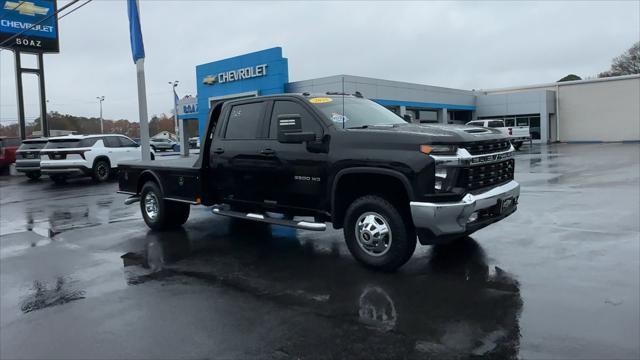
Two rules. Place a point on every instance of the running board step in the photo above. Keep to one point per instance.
(304, 225)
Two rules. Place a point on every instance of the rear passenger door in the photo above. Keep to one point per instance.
(234, 155)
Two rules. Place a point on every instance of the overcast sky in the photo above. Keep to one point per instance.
(467, 45)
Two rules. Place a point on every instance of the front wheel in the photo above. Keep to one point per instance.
(377, 235)
(160, 214)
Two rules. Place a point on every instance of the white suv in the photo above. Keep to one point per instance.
(86, 155)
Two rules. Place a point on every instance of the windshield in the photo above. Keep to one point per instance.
(355, 112)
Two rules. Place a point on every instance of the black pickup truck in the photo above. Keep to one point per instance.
(303, 160)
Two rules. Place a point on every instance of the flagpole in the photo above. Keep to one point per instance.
(142, 106)
(137, 50)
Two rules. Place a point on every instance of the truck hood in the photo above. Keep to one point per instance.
(436, 133)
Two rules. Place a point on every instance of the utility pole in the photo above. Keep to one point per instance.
(101, 99)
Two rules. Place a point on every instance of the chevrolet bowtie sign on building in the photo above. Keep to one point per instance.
(30, 26)
(235, 75)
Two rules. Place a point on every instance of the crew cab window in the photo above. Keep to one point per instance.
(495, 124)
(476, 123)
(509, 122)
(111, 142)
(309, 123)
(244, 121)
(126, 142)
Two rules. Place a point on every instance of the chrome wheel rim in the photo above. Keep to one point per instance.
(151, 206)
(373, 234)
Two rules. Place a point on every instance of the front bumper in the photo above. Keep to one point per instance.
(439, 222)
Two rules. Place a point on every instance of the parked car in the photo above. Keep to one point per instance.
(97, 156)
(8, 148)
(340, 159)
(194, 142)
(28, 157)
(517, 134)
(164, 144)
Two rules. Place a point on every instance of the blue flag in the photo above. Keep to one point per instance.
(135, 33)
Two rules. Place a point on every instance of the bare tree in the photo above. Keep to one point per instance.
(625, 64)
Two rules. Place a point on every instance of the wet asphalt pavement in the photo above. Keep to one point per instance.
(81, 276)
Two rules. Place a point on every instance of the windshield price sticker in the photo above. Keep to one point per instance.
(320, 100)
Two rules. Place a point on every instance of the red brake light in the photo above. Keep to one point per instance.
(510, 131)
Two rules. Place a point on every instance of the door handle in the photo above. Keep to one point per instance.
(267, 152)
(218, 151)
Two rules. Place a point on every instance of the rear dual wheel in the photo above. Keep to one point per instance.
(160, 214)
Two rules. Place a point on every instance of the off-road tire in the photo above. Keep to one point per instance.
(101, 171)
(403, 235)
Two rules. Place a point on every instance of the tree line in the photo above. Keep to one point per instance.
(91, 125)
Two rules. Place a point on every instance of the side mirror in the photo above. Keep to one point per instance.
(290, 129)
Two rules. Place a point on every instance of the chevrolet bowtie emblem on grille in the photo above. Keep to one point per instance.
(209, 80)
(26, 8)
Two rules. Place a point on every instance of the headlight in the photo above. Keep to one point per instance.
(445, 178)
(439, 149)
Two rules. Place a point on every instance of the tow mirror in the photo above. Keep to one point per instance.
(290, 129)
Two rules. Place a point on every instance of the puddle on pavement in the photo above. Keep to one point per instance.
(55, 218)
(444, 303)
(44, 295)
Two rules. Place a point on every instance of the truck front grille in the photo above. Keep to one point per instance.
(487, 147)
(479, 176)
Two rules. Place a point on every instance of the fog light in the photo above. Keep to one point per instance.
(438, 185)
(473, 217)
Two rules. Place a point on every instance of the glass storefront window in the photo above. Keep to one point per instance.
(534, 127)
(522, 121)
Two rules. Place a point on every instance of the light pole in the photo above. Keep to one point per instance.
(180, 131)
(101, 99)
(174, 85)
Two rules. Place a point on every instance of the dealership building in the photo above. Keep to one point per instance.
(574, 111)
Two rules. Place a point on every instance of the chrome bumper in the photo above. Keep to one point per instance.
(443, 219)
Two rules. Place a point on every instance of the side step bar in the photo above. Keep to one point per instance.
(305, 225)
(131, 200)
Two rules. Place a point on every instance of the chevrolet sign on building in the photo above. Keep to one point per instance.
(235, 75)
(32, 21)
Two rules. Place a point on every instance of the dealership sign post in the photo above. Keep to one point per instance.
(29, 27)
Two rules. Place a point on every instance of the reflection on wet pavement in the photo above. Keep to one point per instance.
(449, 303)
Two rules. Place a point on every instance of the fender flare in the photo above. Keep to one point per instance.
(152, 174)
(368, 170)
